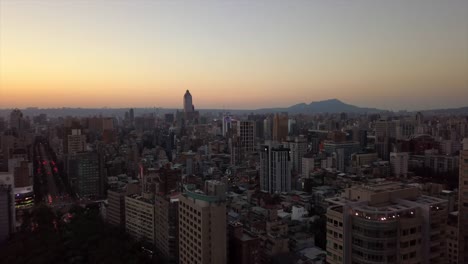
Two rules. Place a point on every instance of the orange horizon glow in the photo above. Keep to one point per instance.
(233, 55)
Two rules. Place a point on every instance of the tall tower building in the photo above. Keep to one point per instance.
(463, 205)
(188, 106)
(298, 148)
(268, 128)
(275, 169)
(202, 224)
(16, 120)
(246, 134)
(385, 134)
(76, 142)
(280, 127)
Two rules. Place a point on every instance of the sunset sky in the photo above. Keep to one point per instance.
(399, 54)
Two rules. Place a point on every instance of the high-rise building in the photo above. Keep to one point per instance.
(226, 125)
(203, 224)
(385, 134)
(16, 120)
(139, 217)
(188, 106)
(275, 168)
(246, 134)
(115, 213)
(268, 128)
(399, 163)
(343, 150)
(298, 147)
(280, 127)
(84, 174)
(166, 227)
(76, 141)
(386, 222)
(463, 205)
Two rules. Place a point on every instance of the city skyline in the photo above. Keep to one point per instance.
(394, 55)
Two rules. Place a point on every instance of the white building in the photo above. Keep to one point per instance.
(399, 163)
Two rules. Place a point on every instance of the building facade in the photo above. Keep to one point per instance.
(386, 222)
(203, 225)
(275, 169)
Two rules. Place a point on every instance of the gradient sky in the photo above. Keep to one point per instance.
(399, 54)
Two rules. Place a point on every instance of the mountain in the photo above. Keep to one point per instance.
(326, 106)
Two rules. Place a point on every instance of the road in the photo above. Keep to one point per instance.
(51, 182)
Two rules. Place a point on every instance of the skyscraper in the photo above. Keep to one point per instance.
(298, 147)
(280, 127)
(203, 224)
(463, 205)
(76, 142)
(246, 134)
(188, 106)
(275, 169)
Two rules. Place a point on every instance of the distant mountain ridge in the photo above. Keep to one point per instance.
(325, 106)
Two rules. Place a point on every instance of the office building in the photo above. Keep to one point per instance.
(166, 227)
(280, 127)
(385, 134)
(298, 147)
(386, 222)
(343, 151)
(246, 135)
(275, 168)
(202, 224)
(76, 142)
(188, 105)
(139, 217)
(84, 174)
(115, 213)
(399, 164)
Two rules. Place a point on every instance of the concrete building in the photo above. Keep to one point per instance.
(463, 205)
(275, 168)
(202, 224)
(268, 128)
(139, 217)
(452, 238)
(244, 247)
(76, 142)
(166, 227)
(188, 105)
(84, 173)
(399, 164)
(280, 127)
(115, 213)
(385, 134)
(246, 135)
(348, 148)
(386, 222)
(361, 159)
(298, 147)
